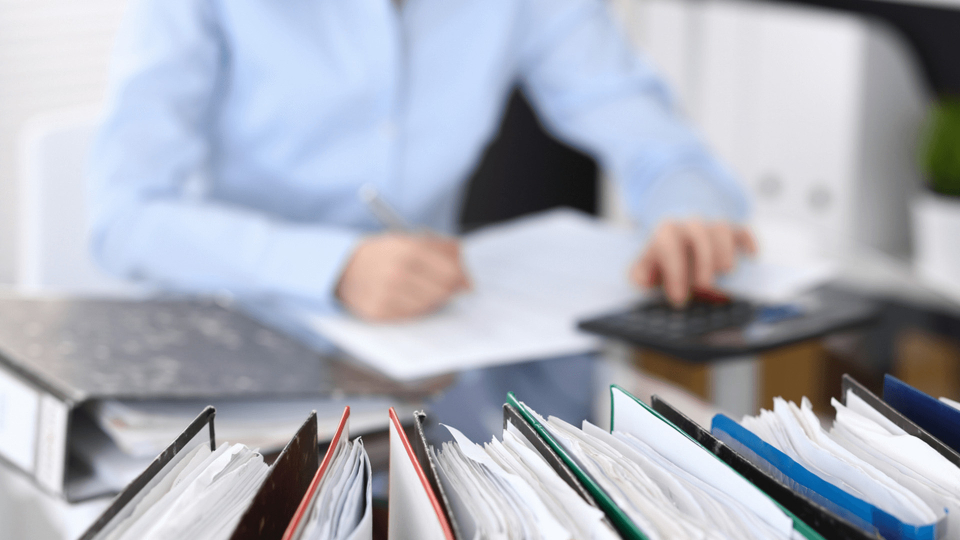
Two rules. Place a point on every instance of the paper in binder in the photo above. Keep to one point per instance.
(813, 510)
(338, 502)
(196, 489)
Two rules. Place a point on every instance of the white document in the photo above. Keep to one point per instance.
(771, 282)
(630, 417)
(342, 506)
(797, 432)
(504, 503)
(203, 497)
(533, 279)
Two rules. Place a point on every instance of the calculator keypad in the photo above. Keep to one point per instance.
(661, 319)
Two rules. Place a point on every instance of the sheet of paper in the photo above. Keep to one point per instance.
(533, 280)
(632, 418)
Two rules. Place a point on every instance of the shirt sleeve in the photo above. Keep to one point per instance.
(593, 91)
(151, 219)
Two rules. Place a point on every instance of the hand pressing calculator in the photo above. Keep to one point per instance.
(713, 326)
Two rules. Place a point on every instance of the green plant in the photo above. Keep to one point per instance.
(940, 154)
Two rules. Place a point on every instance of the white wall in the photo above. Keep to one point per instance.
(53, 54)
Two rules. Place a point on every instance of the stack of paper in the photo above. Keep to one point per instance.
(505, 489)
(664, 483)
(796, 431)
(204, 496)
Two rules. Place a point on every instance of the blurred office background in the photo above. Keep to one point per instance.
(819, 112)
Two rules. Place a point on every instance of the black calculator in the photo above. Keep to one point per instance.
(710, 329)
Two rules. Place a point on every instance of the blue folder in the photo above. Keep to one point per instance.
(939, 419)
(854, 509)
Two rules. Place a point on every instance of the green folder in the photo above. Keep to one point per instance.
(805, 530)
(624, 525)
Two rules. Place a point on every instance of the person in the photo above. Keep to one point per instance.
(237, 134)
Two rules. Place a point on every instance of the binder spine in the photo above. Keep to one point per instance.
(33, 430)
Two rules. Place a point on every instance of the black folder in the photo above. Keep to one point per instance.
(124, 503)
(277, 500)
(825, 522)
(273, 506)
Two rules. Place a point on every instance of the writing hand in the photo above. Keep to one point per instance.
(395, 276)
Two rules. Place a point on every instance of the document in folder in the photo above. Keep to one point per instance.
(533, 279)
(338, 504)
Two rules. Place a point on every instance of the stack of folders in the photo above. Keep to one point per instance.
(545, 478)
(890, 467)
(886, 468)
(198, 490)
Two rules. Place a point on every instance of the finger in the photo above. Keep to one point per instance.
(453, 249)
(670, 259)
(701, 247)
(438, 267)
(428, 289)
(643, 272)
(724, 247)
(745, 241)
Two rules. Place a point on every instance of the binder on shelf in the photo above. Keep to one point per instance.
(828, 523)
(415, 508)
(850, 384)
(937, 418)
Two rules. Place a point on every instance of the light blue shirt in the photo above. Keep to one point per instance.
(237, 132)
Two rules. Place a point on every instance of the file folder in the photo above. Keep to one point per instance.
(850, 507)
(512, 416)
(415, 510)
(267, 515)
(623, 524)
(281, 494)
(637, 417)
(421, 449)
(200, 431)
(937, 418)
(315, 484)
(830, 525)
(850, 384)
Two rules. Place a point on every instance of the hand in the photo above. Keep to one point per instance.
(689, 253)
(396, 276)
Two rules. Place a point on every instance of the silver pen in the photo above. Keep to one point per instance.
(384, 213)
